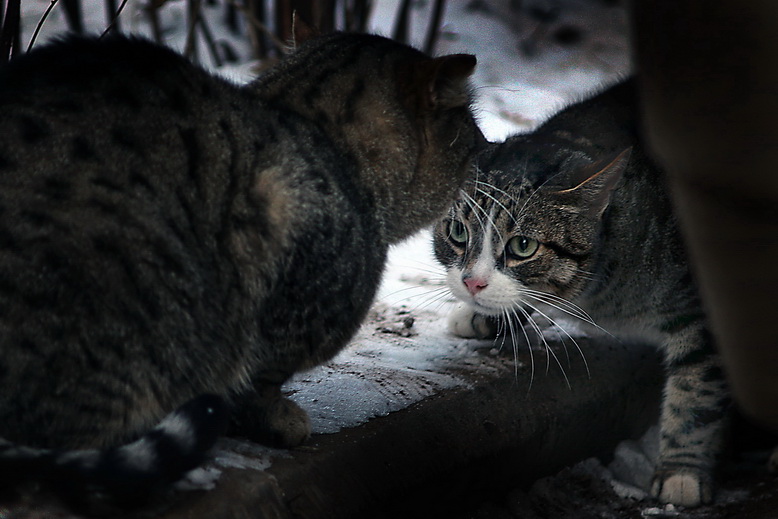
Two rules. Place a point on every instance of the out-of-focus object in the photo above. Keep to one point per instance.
(710, 97)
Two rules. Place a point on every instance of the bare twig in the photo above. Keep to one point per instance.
(353, 16)
(40, 23)
(209, 41)
(152, 9)
(256, 9)
(9, 34)
(360, 15)
(400, 32)
(115, 18)
(433, 30)
(110, 10)
(73, 15)
(190, 48)
(325, 16)
(259, 25)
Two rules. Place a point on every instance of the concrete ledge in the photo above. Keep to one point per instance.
(454, 446)
(411, 422)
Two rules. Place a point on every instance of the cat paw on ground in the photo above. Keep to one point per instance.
(682, 488)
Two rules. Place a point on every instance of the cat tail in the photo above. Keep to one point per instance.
(123, 477)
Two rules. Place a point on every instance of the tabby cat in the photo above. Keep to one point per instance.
(575, 217)
(165, 234)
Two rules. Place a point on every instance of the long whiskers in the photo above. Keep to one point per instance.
(500, 204)
(557, 327)
(491, 186)
(474, 205)
(565, 306)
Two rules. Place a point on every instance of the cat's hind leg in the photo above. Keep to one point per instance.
(691, 421)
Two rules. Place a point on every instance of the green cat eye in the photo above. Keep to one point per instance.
(522, 247)
(457, 233)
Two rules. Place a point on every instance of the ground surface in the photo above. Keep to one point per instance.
(585, 491)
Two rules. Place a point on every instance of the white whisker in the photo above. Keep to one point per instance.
(565, 306)
(500, 204)
(553, 323)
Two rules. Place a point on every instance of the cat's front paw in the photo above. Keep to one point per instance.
(686, 487)
(463, 321)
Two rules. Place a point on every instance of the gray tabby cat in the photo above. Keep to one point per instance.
(575, 217)
(166, 234)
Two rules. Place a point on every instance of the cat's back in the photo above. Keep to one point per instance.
(612, 114)
(83, 103)
(582, 132)
(75, 66)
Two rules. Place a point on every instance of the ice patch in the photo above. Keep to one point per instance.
(201, 478)
(382, 371)
(666, 511)
(230, 453)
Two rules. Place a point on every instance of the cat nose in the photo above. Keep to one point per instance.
(474, 285)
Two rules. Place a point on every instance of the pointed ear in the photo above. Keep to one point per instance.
(443, 81)
(595, 183)
(301, 30)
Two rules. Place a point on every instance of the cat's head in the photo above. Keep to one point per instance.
(526, 227)
(402, 115)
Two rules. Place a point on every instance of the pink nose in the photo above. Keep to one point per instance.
(475, 285)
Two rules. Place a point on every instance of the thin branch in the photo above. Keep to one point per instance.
(40, 23)
(9, 32)
(255, 8)
(74, 15)
(363, 8)
(110, 10)
(190, 47)
(400, 32)
(434, 27)
(115, 18)
(259, 25)
(209, 41)
(152, 11)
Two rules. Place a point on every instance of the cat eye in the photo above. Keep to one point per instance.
(457, 233)
(522, 247)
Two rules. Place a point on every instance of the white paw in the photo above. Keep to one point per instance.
(682, 489)
(463, 321)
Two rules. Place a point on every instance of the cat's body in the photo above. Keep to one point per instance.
(164, 233)
(575, 212)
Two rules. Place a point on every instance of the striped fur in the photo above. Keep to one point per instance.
(166, 234)
(601, 243)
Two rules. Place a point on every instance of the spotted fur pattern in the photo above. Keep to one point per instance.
(575, 218)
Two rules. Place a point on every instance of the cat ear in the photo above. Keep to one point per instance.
(599, 180)
(302, 31)
(444, 81)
